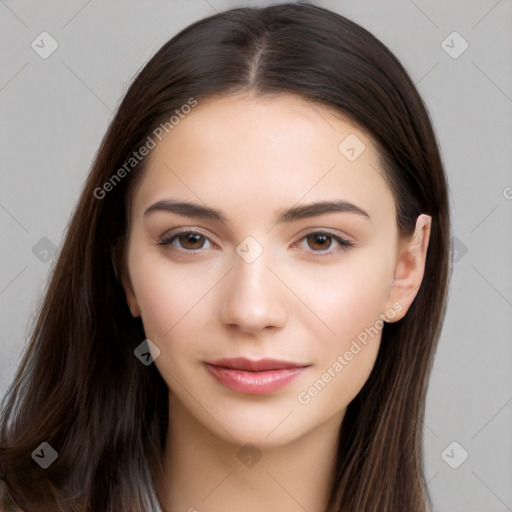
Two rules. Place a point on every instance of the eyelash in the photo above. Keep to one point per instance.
(344, 244)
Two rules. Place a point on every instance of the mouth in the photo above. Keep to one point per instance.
(254, 376)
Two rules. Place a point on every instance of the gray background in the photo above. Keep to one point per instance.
(54, 112)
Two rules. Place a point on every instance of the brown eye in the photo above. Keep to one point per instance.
(191, 241)
(323, 243)
(186, 240)
(319, 241)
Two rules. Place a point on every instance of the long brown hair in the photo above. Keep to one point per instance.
(79, 386)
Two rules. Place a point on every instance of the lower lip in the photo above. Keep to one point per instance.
(253, 382)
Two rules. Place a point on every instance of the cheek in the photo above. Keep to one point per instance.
(345, 298)
(175, 311)
(348, 302)
(168, 294)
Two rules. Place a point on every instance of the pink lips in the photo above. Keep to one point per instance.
(254, 377)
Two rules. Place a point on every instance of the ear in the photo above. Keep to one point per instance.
(121, 273)
(409, 268)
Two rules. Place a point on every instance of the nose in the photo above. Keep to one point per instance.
(253, 299)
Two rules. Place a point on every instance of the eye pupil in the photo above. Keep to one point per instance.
(319, 241)
(192, 240)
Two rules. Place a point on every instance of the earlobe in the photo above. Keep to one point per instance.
(410, 267)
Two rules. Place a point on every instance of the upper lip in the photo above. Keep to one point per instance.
(253, 365)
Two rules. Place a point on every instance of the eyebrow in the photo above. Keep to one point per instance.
(189, 209)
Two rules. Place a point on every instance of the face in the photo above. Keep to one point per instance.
(255, 235)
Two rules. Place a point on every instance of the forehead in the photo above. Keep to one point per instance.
(246, 153)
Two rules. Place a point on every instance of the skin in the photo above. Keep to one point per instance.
(251, 157)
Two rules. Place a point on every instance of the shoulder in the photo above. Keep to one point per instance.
(7, 503)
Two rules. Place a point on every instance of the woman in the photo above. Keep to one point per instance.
(246, 306)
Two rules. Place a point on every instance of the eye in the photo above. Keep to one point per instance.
(186, 240)
(320, 242)
(324, 243)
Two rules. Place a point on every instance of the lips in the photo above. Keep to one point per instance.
(254, 376)
(250, 365)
